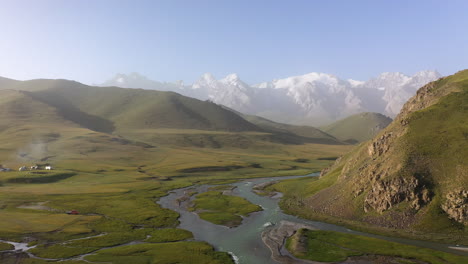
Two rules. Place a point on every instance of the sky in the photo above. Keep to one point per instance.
(92, 40)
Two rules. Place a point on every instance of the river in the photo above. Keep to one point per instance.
(244, 242)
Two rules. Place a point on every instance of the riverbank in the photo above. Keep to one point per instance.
(275, 239)
(291, 243)
(247, 241)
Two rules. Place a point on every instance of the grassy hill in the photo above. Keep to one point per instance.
(302, 131)
(6, 82)
(135, 108)
(18, 108)
(410, 179)
(291, 132)
(358, 127)
(147, 115)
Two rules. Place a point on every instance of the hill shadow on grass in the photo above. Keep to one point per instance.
(72, 113)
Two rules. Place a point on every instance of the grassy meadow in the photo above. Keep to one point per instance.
(114, 184)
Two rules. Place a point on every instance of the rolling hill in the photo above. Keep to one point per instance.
(307, 132)
(412, 176)
(358, 127)
(155, 117)
(108, 108)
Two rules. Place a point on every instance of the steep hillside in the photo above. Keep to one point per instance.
(412, 176)
(358, 127)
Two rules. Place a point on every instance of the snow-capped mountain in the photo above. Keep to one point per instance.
(229, 91)
(313, 98)
(388, 92)
(321, 97)
(136, 80)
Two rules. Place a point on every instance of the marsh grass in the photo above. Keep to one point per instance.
(6, 246)
(41, 178)
(329, 246)
(159, 253)
(168, 235)
(116, 184)
(220, 209)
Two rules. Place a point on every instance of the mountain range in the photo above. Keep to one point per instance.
(310, 99)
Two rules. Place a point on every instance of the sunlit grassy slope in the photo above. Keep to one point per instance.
(358, 127)
(309, 133)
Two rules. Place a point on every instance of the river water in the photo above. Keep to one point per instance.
(244, 242)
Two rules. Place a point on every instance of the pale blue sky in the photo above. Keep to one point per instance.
(91, 40)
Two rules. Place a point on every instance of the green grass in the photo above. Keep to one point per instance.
(297, 190)
(76, 247)
(223, 209)
(60, 251)
(113, 196)
(41, 178)
(14, 260)
(169, 235)
(329, 246)
(6, 246)
(359, 127)
(308, 133)
(163, 253)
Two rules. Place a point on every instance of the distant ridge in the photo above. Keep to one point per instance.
(358, 128)
(315, 134)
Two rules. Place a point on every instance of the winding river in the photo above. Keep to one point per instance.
(244, 242)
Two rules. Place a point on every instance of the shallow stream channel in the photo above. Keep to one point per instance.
(244, 242)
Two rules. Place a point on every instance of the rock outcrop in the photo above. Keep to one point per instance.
(386, 194)
(380, 145)
(456, 206)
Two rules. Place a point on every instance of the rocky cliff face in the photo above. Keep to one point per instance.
(456, 206)
(385, 194)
